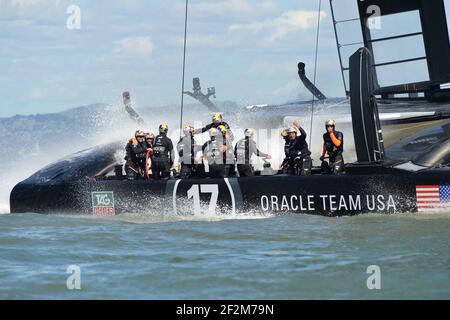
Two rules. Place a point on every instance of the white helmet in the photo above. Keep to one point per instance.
(293, 130)
(330, 123)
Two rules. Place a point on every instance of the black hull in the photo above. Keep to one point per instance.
(328, 195)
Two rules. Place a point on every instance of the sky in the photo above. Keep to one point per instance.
(247, 49)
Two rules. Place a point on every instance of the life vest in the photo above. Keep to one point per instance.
(212, 153)
(187, 150)
(330, 146)
(161, 147)
(243, 152)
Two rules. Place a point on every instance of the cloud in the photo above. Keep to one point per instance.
(33, 9)
(35, 94)
(135, 46)
(235, 8)
(195, 40)
(288, 90)
(269, 68)
(281, 26)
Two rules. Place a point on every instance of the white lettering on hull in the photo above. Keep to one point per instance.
(331, 203)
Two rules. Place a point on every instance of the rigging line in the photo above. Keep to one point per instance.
(315, 71)
(184, 67)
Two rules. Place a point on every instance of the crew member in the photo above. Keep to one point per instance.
(228, 152)
(333, 147)
(149, 139)
(298, 157)
(163, 154)
(285, 134)
(244, 150)
(187, 150)
(285, 131)
(136, 150)
(213, 152)
(217, 120)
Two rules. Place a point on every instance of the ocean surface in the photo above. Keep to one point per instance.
(246, 257)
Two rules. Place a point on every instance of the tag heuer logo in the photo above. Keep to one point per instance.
(103, 203)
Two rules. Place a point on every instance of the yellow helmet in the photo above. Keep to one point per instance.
(222, 129)
(249, 132)
(284, 132)
(139, 133)
(217, 118)
(163, 128)
(213, 132)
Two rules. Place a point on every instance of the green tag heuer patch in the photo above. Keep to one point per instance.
(103, 203)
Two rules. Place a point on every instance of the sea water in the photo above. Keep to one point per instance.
(152, 256)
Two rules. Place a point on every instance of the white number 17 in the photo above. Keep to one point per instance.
(194, 192)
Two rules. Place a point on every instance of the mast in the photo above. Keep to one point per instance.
(184, 66)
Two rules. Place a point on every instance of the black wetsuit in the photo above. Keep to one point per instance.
(336, 164)
(136, 159)
(298, 157)
(187, 150)
(244, 150)
(163, 156)
(214, 156)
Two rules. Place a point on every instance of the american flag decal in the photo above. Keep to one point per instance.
(431, 198)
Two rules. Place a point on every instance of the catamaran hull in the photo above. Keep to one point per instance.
(326, 195)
